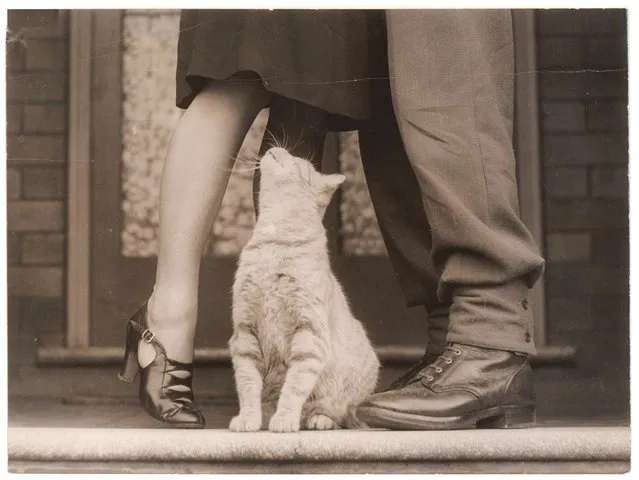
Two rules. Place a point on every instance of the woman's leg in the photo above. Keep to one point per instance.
(194, 179)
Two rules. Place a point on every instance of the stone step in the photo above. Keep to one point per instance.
(546, 449)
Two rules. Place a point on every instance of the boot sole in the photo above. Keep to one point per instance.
(497, 417)
(183, 426)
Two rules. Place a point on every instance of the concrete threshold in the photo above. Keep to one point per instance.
(219, 446)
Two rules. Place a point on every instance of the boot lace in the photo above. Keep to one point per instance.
(429, 373)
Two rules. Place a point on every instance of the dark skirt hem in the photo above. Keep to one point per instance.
(194, 81)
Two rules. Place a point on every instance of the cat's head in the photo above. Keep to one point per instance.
(291, 180)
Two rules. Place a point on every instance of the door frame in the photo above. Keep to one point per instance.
(91, 39)
(527, 143)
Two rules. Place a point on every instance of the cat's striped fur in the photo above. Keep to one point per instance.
(301, 359)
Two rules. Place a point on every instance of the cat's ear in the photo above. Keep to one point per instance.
(329, 184)
(333, 181)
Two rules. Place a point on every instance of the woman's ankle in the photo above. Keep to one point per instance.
(173, 321)
(171, 310)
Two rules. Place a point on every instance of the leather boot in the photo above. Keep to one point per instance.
(466, 387)
(402, 381)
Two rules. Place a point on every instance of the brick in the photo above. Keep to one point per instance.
(41, 148)
(611, 312)
(50, 29)
(570, 314)
(47, 54)
(17, 19)
(588, 214)
(13, 313)
(583, 85)
(15, 52)
(568, 247)
(59, 31)
(38, 216)
(559, 22)
(581, 21)
(561, 85)
(607, 116)
(44, 183)
(609, 182)
(559, 53)
(22, 351)
(611, 247)
(14, 181)
(566, 182)
(13, 336)
(45, 118)
(37, 87)
(611, 21)
(14, 119)
(566, 279)
(612, 84)
(43, 249)
(571, 150)
(563, 117)
(606, 52)
(13, 248)
(35, 281)
(44, 314)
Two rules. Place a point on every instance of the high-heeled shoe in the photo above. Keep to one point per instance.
(165, 385)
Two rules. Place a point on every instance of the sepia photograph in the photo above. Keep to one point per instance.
(317, 241)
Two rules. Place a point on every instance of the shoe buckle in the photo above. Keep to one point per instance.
(148, 336)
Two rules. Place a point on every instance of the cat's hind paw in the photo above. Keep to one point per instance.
(284, 422)
(245, 423)
(321, 422)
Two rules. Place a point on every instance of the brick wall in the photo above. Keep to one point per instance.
(37, 44)
(583, 88)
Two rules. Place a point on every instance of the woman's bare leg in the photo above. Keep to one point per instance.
(195, 176)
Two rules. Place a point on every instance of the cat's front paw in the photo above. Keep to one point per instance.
(321, 422)
(285, 422)
(246, 423)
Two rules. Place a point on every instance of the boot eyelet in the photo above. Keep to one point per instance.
(429, 378)
(448, 361)
(438, 370)
(457, 351)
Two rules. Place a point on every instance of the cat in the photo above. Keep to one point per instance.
(296, 348)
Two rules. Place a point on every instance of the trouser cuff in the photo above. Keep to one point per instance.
(498, 317)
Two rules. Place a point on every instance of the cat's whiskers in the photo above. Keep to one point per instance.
(245, 170)
(274, 140)
(240, 164)
(247, 166)
(285, 139)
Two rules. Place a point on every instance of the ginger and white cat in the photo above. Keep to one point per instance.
(297, 349)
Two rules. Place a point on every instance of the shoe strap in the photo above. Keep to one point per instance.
(184, 393)
(138, 322)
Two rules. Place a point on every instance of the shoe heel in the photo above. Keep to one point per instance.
(511, 417)
(130, 367)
